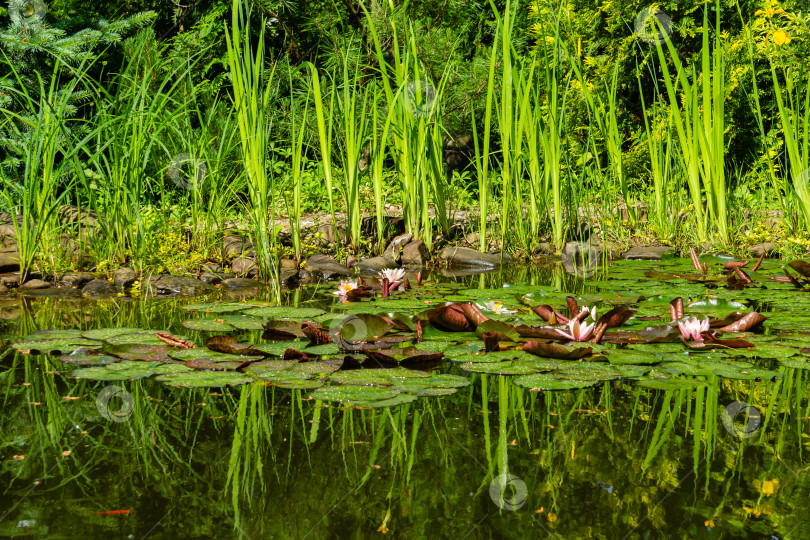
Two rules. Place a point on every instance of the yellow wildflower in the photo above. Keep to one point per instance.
(780, 37)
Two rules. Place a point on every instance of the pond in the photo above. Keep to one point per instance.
(118, 433)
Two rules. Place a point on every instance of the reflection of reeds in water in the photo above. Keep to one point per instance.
(261, 452)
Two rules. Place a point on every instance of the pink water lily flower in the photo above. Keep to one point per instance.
(577, 331)
(393, 275)
(345, 287)
(692, 328)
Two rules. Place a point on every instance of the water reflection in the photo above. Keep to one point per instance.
(494, 460)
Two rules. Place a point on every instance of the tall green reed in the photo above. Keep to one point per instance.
(47, 167)
(352, 107)
(697, 101)
(252, 86)
(793, 100)
(417, 132)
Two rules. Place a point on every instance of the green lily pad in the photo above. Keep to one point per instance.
(321, 350)
(56, 346)
(121, 371)
(220, 307)
(86, 357)
(225, 323)
(354, 393)
(132, 351)
(285, 312)
(631, 356)
(205, 379)
(198, 353)
(547, 381)
(106, 333)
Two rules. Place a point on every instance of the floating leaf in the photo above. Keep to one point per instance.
(225, 323)
(546, 381)
(121, 371)
(205, 379)
(285, 312)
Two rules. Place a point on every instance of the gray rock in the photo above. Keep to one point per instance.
(241, 283)
(326, 231)
(35, 284)
(392, 250)
(124, 277)
(211, 279)
(466, 257)
(767, 249)
(9, 262)
(211, 267)
(289, 265)
(76, 280)
(100, 288)
(187, 286)
(244, 267)
(652, 253)
(376, 264)
(326, 267)
(236, 245)
(581, 258)
(3, 289)
(11, 281)
(415, 254)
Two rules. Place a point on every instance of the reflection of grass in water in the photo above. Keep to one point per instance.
(271, 452)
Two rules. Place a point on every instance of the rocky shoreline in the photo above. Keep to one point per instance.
(453, 256)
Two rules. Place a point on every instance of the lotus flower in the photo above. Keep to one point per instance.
(692, 328)
(393, 275)
(345, 287)
(578, 331)
(495, 307)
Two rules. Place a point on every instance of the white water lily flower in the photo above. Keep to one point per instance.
(345, 287)
(691, 328)
(577, 331)
(394, 275)
(496, 308)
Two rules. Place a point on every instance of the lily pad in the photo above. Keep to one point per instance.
(547, 381)
(353, 393)
(225, 323)
(56, 346)
(285, 312)
(121, 371)
(205, 379)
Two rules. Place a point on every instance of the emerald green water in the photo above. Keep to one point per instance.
(615, 460)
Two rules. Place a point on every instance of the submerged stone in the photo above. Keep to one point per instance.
(466, 257)
(166, 284)
(376, 264)
(124, 277)
(651, 253)
(35, 284)
(325, 267)
(100, 288)
(581, 258)
(76, 280)
(241, 283)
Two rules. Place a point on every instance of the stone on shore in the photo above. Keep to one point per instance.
(470, 258)
(651, 253)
